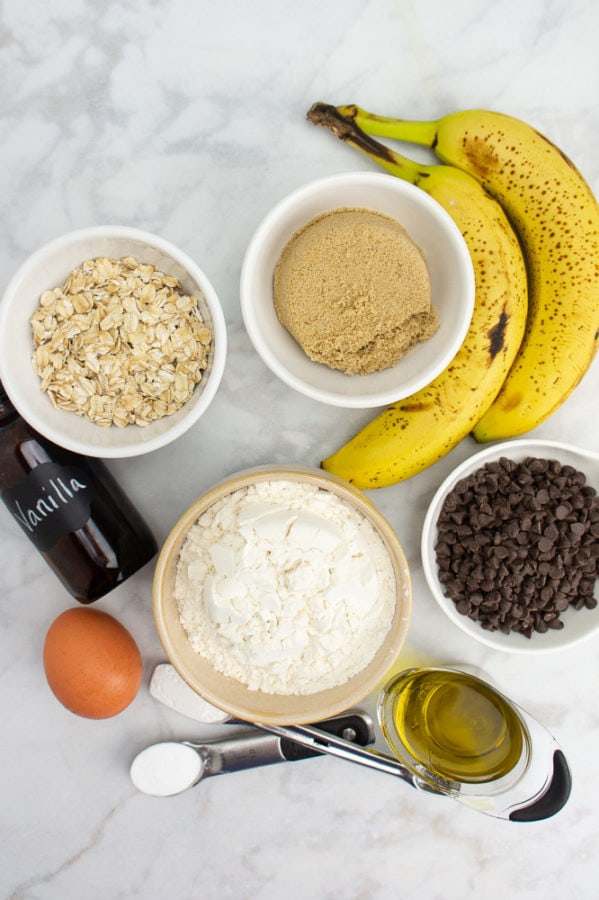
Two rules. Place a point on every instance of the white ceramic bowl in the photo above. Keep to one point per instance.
(450, 270)
(232, 695)
(578, 624)
(47, 268)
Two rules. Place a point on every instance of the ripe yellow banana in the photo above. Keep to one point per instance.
(556, 216)
(414, 433)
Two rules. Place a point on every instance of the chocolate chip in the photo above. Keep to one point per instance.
(518, 544)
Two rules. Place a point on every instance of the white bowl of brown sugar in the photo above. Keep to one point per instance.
(112, 341)
(357, 290)
(510, 546)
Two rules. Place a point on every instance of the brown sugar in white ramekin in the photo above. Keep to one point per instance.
(354, 291)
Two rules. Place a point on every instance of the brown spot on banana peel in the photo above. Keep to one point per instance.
(483, 159)
(414, 407)
(497, 335)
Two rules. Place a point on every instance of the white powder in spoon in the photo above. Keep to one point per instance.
(285, 587)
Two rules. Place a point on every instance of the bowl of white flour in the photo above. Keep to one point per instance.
(282, 595)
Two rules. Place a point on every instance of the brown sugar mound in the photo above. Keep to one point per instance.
(353, 289)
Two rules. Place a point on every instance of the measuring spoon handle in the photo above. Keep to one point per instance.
(246, 751)
(309, 736)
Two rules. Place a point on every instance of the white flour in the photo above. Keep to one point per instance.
(285, 587)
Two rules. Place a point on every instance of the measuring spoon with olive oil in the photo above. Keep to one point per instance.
(454, 726)
(462, 737)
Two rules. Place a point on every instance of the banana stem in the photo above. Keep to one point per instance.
(413, 132)
(346, 129)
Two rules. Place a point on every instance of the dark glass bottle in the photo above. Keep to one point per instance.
(71, 508)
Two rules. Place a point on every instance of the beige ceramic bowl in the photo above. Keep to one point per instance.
(230, 694)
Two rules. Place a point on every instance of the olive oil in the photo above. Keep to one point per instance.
(452, 725)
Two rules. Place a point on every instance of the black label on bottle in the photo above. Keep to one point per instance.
(51, 501)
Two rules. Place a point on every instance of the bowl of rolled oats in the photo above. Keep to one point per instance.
(112, 341)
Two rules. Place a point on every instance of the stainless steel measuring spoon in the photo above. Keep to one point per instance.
(311, 737)
(171, 767)
(542, 790)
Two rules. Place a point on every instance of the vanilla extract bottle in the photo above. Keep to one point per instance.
(71, 509)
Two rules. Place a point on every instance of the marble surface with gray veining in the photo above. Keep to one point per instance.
(188, 119)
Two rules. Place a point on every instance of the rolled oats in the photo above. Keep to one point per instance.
(119, 343)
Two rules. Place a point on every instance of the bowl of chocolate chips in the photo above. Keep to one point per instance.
(510, 546)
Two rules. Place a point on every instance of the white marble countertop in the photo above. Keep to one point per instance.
(187, 119)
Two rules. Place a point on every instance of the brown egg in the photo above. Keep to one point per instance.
(92, 663)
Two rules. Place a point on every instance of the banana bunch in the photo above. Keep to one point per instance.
(414, 433)
(541, 196)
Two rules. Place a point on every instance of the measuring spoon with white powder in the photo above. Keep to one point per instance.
(171, 767)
